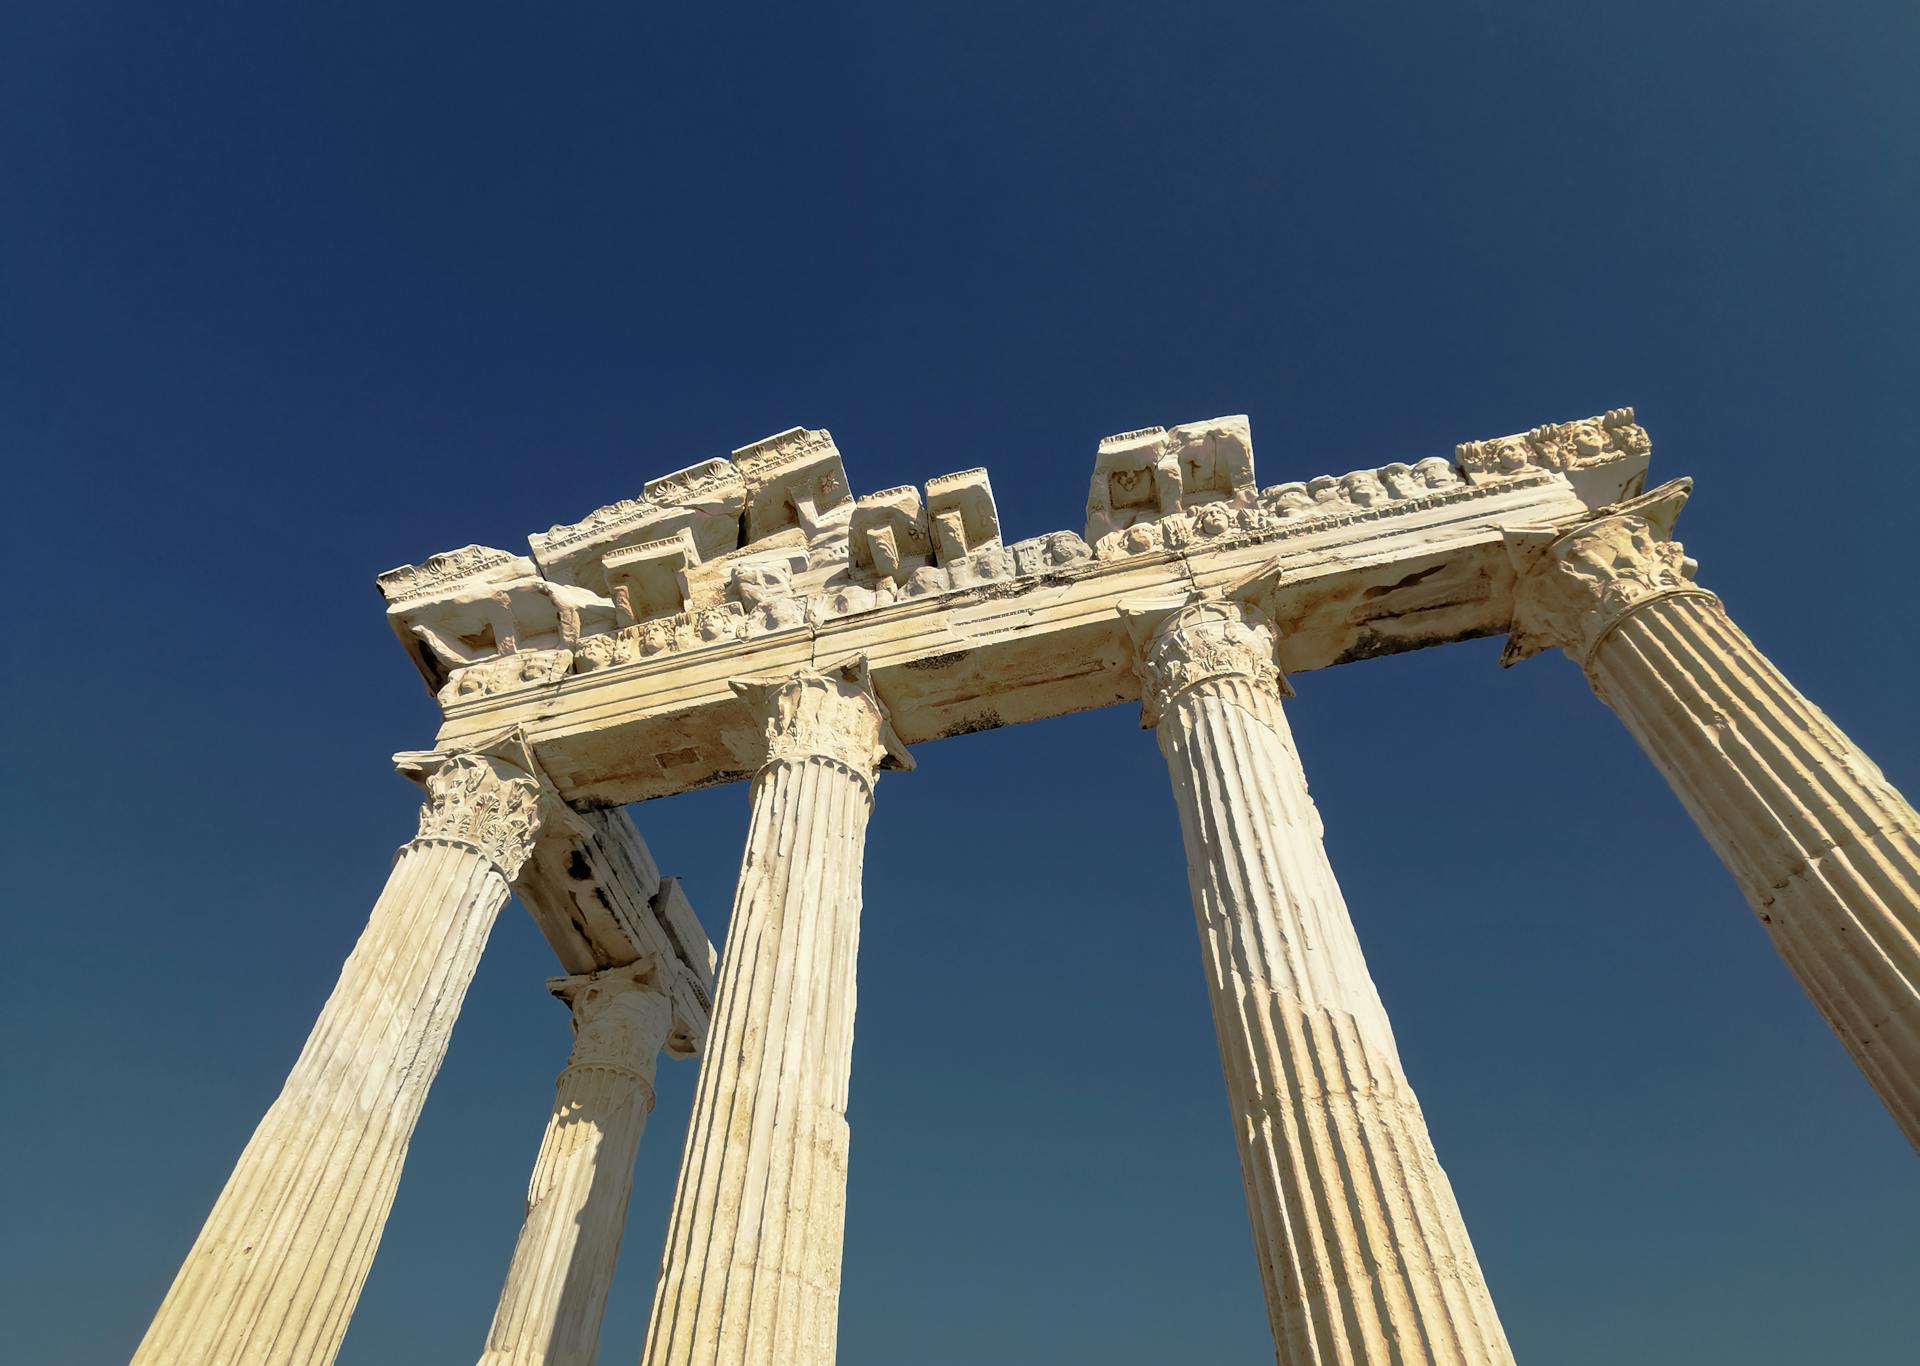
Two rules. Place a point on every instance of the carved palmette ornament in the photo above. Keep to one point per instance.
(1572, 587)
(486, 803)
(1203, 641)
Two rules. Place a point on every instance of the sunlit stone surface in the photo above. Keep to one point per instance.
(750, 616)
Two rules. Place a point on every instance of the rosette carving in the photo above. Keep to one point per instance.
(486, 802)
(833, 714)
(1573, 585)
(1202, 641)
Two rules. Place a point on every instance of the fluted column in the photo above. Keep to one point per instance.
(751, 1272)
(556, 1291)
(1362, 1251)
(280, 1261)
(1826, 851)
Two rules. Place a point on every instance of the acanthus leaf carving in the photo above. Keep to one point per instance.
(832, 714)
(1573, 585)
(1206, 638)
(485, 801)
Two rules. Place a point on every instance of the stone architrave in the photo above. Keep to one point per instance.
(751, 1271)
(1826, 851)
(556, 1292)
(1363, 1254)
(273, 1277)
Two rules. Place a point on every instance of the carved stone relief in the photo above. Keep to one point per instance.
(773, 541)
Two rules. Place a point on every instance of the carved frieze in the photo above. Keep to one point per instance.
(961, 516)
(504, 673)
(888, 536)
(649, 580)
(816, 555)
(1558, 446)
(473, 604)
(703, 501)
(1147, 476)
(795, 478)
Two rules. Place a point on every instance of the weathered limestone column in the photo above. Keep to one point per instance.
(279, 1264)
(751, 1272)
(556, 1291)
(1826, 851)
(1362, 1250)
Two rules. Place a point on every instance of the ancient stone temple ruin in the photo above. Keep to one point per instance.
(751, 618)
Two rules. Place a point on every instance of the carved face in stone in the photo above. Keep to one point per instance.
(1324, 488)
(1213, 520)
(757, 584)
(1398, 481)
(1061, 549)
(1362, 489)
(1589, 440)
(1285, 499)
(1436, 473)
(1139, 539)
(1510, 454)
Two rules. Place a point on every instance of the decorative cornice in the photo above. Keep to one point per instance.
(1559, 446)
(1601, 456)
(834, 714)
(1182, 645)
(433, 575)
(1574, 584)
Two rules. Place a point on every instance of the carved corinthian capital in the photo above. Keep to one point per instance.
(833, 714)
(487, 799)
(1208, 638)
(621, 1016)
(1572, 585)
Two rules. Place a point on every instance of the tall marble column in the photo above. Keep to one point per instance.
(1363, 1254)
(556, 1291)
(278, 1265)
(751, 1272)
(1826, 851)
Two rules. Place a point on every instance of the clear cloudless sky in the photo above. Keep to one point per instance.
(293, 294)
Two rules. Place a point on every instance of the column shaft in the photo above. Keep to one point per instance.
(1363, 1253)
(1825, 850)
(555, 1296)
(278, 1266)
(751, 1272)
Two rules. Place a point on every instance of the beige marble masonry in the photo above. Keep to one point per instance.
(751, 1272)
(1826, 851)
(1363, 1253)
(962, 631)
(607, 667)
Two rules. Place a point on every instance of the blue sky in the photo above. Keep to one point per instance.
(290, 295)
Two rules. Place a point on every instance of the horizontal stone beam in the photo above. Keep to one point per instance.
(594, 891)
(1419, 569)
